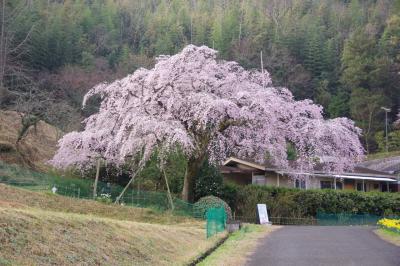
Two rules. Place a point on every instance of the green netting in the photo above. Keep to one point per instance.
(160, 201)
(216, 221)
(346, 219)
(19, 176)
(83, 188)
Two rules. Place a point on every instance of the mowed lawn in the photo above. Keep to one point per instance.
(43, 229)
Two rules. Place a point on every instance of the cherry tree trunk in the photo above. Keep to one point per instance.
(193, 166)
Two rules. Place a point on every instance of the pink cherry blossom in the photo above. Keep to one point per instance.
(207, 107)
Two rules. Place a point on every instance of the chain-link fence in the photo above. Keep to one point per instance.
(347, 219)
(323, 219)
(107, 192)
(83, 189)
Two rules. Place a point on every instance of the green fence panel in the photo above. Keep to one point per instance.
(347, 219)
(216, 221)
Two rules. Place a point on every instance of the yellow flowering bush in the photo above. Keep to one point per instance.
(390, 224)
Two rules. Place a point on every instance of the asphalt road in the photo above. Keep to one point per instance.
(325, 245)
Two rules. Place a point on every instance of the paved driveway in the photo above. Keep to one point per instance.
(325, 245)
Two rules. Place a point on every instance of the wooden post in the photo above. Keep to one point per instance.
(387, 186)
(169, 192)
(129, 183)
(334, 182)
(97, 178)
(126, 187)
(363, 185)
(277, 180)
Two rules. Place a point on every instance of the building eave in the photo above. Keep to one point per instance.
(340, 176)
(345, 175)
(250, 164)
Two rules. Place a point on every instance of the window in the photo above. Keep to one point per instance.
(360, 187)
(300, 184)
(339, 185)
(349, 183)
(326, 185)
(258, 180)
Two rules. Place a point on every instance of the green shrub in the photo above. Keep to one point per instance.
(288, 202)
(393, 140)
(201, 206)
(105, 198)
(229, 193)
(208, 181)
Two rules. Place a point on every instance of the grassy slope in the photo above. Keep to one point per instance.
(382, 155)
(46, 229)
(21, 198)
(389, 236)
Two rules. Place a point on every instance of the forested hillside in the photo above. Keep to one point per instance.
(343, 54)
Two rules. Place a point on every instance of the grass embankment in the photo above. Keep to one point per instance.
(21, 198)
(42, 229)
(382, 155)
(238, 246)
(388, 236)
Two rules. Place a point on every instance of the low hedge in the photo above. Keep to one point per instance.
(286, 202)
(201, 206)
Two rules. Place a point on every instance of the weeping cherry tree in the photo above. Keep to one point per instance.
(207, 108)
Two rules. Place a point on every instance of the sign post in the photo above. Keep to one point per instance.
(262, 214)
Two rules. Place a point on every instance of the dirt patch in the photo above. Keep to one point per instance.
(10, 204)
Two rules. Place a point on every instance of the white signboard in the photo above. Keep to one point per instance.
(262, 213)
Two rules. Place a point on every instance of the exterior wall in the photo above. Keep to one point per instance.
(374, 186)
(351, 184)
(315, 182)
(274, 179)
(286, 181)
(238, 178)
(395, 187)
(271, 178)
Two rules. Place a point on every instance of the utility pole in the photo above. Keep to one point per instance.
(191, 29)
(387, 110)
(262, 66)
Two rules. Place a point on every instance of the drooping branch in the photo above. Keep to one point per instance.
(207, 107)
(230, 122)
